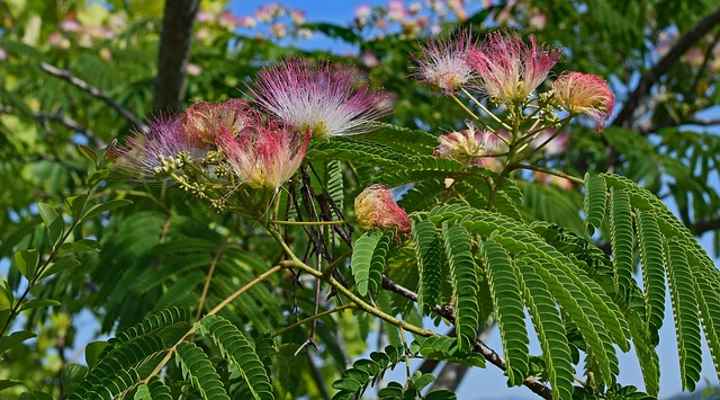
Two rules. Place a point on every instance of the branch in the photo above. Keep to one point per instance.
(60, 118)
(701, 227)
(447, 312)
(93, 91)
(650, 77)
(174, 54)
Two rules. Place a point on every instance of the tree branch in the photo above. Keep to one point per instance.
(93, 91)
(491, 355)
(650, 77)
(702, 227)
(174, 54)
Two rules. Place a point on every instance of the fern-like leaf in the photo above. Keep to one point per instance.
(240, 352)
(685, 310)
(363, 250)
(335, 184)
(709, 302)
(430, 263)
(506, 293)
(550, 330)
(653, 268)
(153, 391)
(465, 283)
(645, 351)
(622, 241)
(595, 200)
(356, 379)
(197, 368)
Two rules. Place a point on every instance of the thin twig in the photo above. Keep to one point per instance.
(550, 172)
(206, 285)
(313, 318)
(94, 92)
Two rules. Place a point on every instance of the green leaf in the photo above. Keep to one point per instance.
(240, 352)
(429, 250)
(98, 209)
(13, 340)
(441, 394)
(26, 262)
(39, 303)
(465, 283)
(7, 384)
(685, 311)
(197, 368)
(550, 330)
(47, 213)
(377, 265)
(622, 241)
(93, 350)
(645, 351)
(362, 255)
(595, 200)
(653, 268)
(507, 294)
(709, 302)
(335, 186)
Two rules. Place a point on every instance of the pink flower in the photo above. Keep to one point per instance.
(279, 30)
(375, 208)
(472, 147)
(444, 63)
(322, 99)
(146, 155)
(297, 16)
(265, 155)
(396, 10)
(204, 122)
(362, 14)
(580, 93)
(510, 70)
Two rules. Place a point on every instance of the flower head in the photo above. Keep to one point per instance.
(321, 99)
(509, 69)
(204, 122)
(585, 94)
(146, 154)
(473, 147)
(264, 155)
(375, 208)
(444, 63)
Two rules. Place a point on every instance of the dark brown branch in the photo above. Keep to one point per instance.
(650, 77)
(173, 55)
(93, 91)
(491, 355)
(702, 227)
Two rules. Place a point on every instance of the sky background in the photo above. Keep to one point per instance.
(490, 383)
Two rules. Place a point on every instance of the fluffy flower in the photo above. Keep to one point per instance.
(472, 147)
(375, 207)
(508, 68)
(588, 94)
(145, 154)
(321, 99)
(264, 156)
(205, 122)
(444, 63)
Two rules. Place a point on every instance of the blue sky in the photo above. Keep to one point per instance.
(489, 383)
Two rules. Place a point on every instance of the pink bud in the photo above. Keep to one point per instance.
(375, 208)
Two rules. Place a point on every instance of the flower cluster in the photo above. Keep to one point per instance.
(272, 20)
(411, 20)
(321, 99)
(258, 143)
(375, 208)
(473, 147)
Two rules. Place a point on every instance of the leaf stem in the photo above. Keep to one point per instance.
(312, 318)
(486, 110)
(550, 172)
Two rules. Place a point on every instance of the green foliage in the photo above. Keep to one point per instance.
(362, 257)
(464, 274)
(507, 298)
(240, 352)
(430, 257)
(364, 372)
(621, 240)
(198, 369)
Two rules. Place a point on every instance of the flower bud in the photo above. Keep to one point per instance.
(375, 208)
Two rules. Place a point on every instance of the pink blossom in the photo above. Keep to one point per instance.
(145, 155)
(279, 30)
(204, 122)
(247, 22)
(70, 25)
(193, 69)
(444, 64)
(396, 10)
(375, 208)
(297, 16)
(3, 54)
(264, 155)
(228, 21)
(580, 93)
(362, 14)
(510, 70)
(458, 8)
(320, 98)
(369, 59)
(473, 147)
